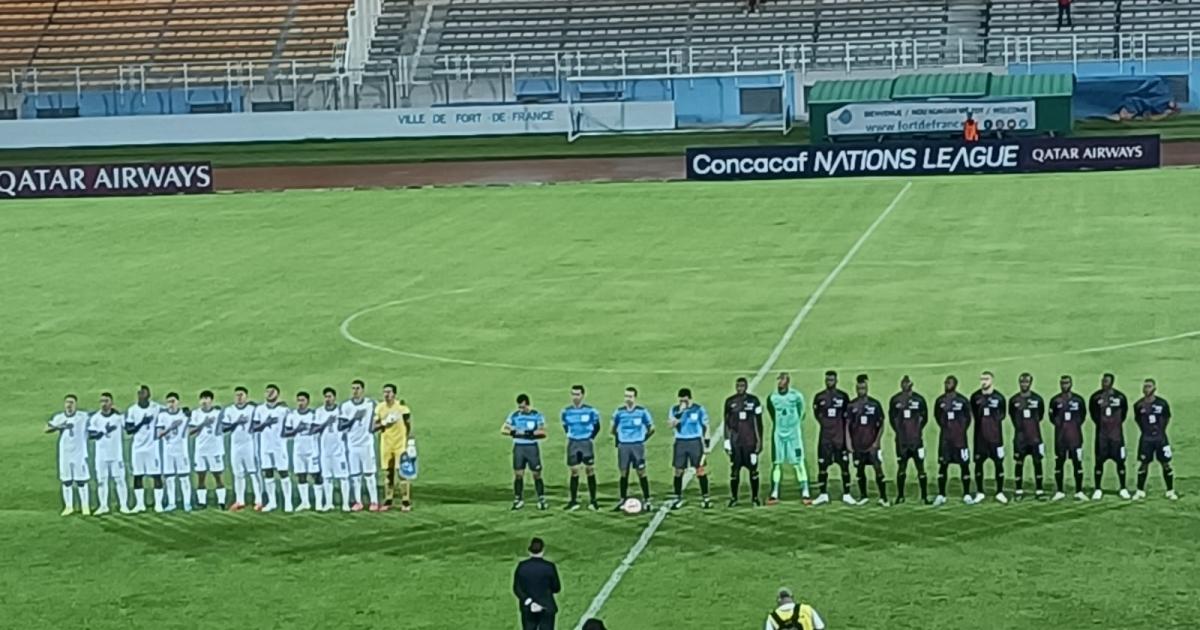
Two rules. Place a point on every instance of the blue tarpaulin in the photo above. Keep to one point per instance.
(1104, 97)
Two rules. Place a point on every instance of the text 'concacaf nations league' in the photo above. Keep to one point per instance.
(938, 158)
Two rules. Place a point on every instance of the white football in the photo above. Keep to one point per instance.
(632, 506)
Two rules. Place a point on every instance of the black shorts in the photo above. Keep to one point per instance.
(1024, 448)
(1109, 450)
(1066, 452)
(829, 454)
(1150, 451)
(740, 457)
(984, 452)
(910, 451)
(867, 458)
(581, 452)
(951, 455)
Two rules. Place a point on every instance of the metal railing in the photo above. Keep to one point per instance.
(361, 21)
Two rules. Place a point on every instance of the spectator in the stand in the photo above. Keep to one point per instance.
(753, 6)
(1064, 10)
(970, 129)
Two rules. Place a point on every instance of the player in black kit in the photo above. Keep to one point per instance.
(1027, 409)
(989, 410)
(1152, 415)
(1109, 408)
(908, 414)
(743, 439)
(864, 418)
(1067, 413)
(952, 411)
(829, 409)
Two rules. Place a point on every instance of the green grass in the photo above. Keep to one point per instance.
(487, 148)
(606, 285)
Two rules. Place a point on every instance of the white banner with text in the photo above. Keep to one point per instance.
(876, 119)
(430, 122)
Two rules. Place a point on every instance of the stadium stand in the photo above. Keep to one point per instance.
(91, 33)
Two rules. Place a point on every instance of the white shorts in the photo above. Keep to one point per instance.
(334, 465)
(176, 464)
(306, 463)
(275, 459)
(110, 469)
(243, 461)
(210, 463)
(146, 462)
(361, 460)
(73, 468)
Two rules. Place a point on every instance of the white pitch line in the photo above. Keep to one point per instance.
(636, 550)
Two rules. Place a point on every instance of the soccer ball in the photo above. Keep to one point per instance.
(632, 506)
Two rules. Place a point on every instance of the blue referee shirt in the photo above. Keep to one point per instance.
(632, 424)
(520, 422)
(693, 422)
(581, 422)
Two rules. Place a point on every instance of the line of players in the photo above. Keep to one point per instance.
(329, 442)
(852, 430)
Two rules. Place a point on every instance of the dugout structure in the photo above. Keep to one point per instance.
(935, 105)
(714, 102)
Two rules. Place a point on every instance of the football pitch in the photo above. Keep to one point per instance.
(466, 297)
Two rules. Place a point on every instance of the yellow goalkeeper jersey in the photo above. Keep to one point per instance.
(395, 433)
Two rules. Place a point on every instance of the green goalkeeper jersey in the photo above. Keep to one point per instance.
(787, 409)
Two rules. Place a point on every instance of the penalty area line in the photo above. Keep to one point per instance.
(638, 547)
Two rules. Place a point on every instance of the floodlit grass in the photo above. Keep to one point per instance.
(660, 286)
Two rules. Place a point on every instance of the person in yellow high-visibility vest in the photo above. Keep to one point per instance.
(792, 615)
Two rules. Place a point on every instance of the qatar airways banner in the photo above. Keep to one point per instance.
(1029, 155)
(105, 180)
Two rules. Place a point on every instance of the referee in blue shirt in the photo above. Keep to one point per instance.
(581, 421)
(632, 426)
(526, 426)
(690, 421)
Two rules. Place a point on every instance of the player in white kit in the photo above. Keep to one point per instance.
(209, 456)
(71, 425)
(333, 451)
(105, 428)
(356, 419)
(171, 428)
(272, 450)
(144, 448)
(236, 420)
(306, 459)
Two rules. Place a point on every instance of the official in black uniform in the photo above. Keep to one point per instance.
(535, 583)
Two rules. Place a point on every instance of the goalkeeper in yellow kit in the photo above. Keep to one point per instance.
(393, 420)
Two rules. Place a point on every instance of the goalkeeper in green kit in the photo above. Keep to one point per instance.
(786, 406)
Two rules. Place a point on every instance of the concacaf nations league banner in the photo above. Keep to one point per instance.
(877, 119)
(105, 180)
(927, 158)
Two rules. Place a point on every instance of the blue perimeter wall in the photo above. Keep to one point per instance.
(1112, 68)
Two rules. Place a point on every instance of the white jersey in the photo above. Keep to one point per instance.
(108, 447)
(175, 424)
(274, 416)
(361, 414)
(143, 437)
(239, 418)
(303, 421)
(73, 435)
(210, 441)
(331, 438)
